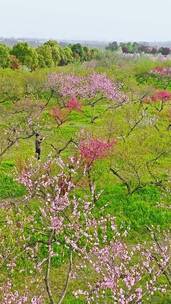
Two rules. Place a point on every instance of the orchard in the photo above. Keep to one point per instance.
(85, 176)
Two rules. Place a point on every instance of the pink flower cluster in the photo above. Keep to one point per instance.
(74, 104)
(161, 96)
(129, 274)
(56, 223)
(56, 191)
(25, 179)
(93, 149)
(13, 297)
(162, 71)
(68, 85)
(36, 300)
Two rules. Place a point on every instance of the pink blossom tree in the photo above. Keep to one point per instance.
(92, 149)
(74, 104)
(161, 71)
(86, 87)
(125, 273)
(158, 99)
(92, 88)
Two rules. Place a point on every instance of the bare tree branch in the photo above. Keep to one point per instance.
(67, 280)
(46, 279)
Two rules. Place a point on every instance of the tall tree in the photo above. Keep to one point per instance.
(78, 51)
(164, 51)
(26, 55)
(113, 46)
(45, 57)
(56, 51)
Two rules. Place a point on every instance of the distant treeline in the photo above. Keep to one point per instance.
(135, 47)
(50, 54)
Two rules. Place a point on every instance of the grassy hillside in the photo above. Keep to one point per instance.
(134, 176)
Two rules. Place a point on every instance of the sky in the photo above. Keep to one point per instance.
(100, 20)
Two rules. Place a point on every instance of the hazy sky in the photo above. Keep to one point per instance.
(145, 20)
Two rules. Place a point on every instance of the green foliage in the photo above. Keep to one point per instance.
(45, 56)
(113, 46)
(4, 56)
(48, 55)
(78, 51)
(66, 56)
(26, 55)
(154, 80)
(55, 51)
